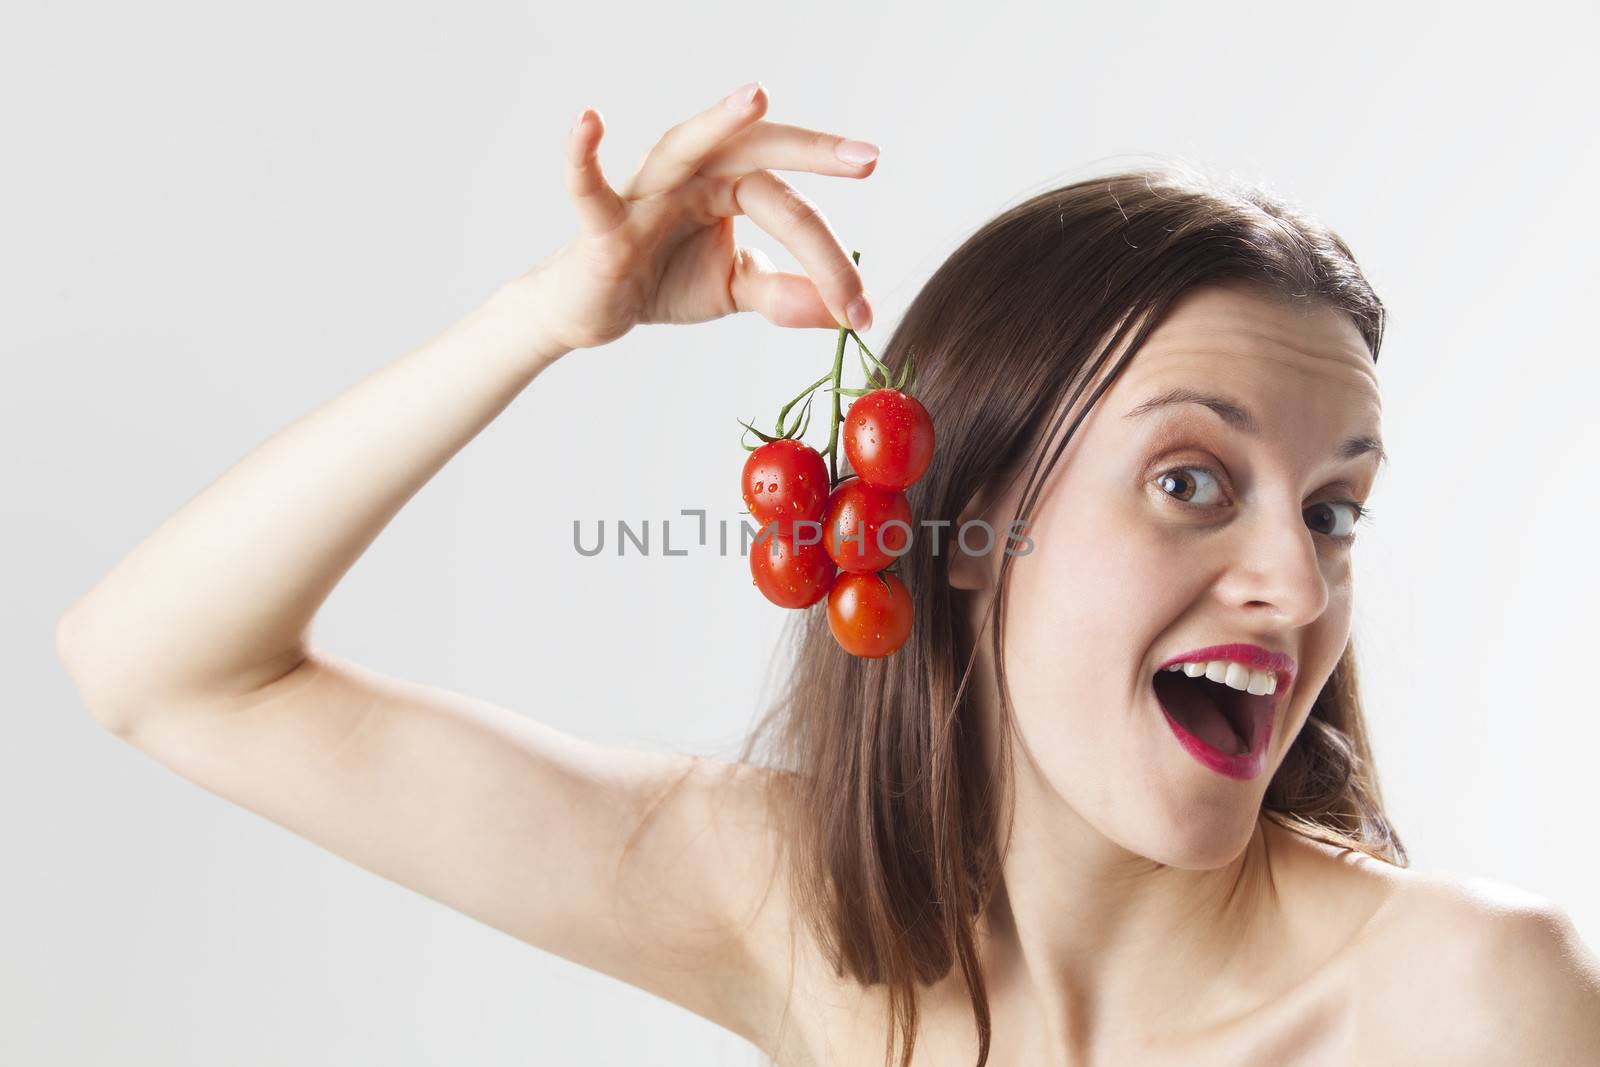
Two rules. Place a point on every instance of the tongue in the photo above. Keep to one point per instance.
(1194, 702)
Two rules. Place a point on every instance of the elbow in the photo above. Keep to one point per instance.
(69, 650)
(67, 638)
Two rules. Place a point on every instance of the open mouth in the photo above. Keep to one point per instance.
(1230, 721)
(1220, 703)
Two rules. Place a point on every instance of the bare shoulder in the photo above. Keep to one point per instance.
(1470, 970)
(1441, 967)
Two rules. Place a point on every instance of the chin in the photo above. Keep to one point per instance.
(1200, 835)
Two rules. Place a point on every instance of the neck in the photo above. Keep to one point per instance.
(1099, 944)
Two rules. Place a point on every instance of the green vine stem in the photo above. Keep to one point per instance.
(881, 373)
(837, 374)
(805, 395)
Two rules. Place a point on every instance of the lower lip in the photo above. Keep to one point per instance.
(1243, 767)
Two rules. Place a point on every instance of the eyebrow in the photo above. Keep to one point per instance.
(1234, 415)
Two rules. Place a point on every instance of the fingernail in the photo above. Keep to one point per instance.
(578, 122)
(740, 98)
(859, 313)
(856, 152)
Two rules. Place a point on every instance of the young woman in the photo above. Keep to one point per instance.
(1112, 803)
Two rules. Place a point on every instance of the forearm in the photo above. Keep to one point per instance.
(221, 596)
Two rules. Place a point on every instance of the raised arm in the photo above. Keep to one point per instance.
(196, 647)
(220, 599)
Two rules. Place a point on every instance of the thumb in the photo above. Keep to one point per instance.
(599, 207)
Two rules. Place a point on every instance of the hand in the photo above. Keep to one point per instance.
(661, 248)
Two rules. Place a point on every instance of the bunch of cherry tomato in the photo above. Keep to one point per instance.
(823, 535)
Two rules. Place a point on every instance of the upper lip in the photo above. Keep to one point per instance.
(1253, 656)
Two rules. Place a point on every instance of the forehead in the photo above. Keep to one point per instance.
(1249, 341)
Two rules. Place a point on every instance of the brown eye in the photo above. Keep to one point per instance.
(1190, 485)
(1329, 514)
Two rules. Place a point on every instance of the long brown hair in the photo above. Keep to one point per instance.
(888, 808)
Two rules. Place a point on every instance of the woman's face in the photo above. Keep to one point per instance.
(1166, 528)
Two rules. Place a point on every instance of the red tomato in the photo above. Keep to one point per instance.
(869, 617)
(785, 481)
(888, 438)
(791, 575)
(852, 528)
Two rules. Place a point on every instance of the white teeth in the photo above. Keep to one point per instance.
(1233, 675)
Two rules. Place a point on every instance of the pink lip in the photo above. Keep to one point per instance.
(1249, 764)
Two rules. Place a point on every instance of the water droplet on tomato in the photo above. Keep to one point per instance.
(772, 487)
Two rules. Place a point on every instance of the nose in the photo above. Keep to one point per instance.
(1277, 575)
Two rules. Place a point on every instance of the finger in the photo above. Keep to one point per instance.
(776, 146)
(599, 207)
(781, 210)
(677, 156)
(780, 298)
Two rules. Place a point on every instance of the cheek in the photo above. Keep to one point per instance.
(1124, 576)
(1086, 605)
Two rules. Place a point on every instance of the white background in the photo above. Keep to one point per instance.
(217, 217)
